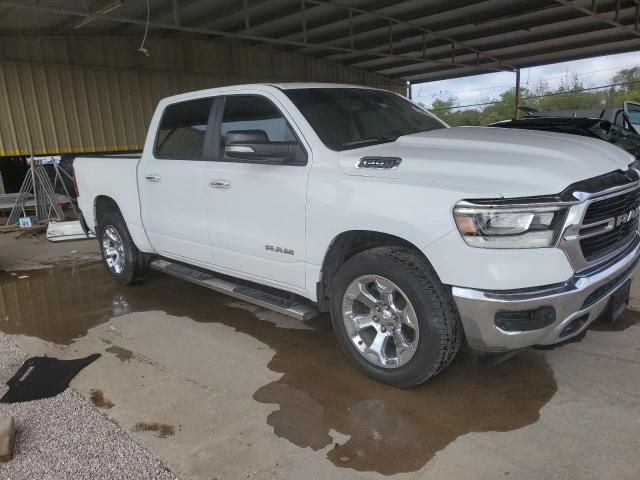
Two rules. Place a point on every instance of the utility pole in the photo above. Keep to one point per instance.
(517, 112)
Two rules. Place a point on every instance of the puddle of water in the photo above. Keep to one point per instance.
(389, 430)
(62, 303)
(393, 431)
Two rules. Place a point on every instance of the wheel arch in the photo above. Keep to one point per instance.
(101, 204)
(347, 244)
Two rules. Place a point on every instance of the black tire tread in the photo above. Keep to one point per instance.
(138, 261)
(444, 314)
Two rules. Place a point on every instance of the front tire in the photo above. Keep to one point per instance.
(393, 317)
(122, 259)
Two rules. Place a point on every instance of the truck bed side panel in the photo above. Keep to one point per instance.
(114, 177)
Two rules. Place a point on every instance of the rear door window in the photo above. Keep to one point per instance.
(182, 130)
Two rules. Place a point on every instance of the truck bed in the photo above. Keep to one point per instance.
(113, 176)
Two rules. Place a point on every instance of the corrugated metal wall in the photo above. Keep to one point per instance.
(91, 94)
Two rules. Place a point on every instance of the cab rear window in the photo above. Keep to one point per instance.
(181, 134)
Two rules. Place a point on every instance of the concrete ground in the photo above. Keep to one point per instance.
(36, 253)
(215, 388)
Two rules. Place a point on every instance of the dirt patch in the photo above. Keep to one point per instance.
(99, 400)
(121, 353)
(161, 430)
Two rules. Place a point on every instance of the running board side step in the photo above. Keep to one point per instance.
(267, 300)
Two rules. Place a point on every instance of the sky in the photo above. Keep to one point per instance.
(468, 90)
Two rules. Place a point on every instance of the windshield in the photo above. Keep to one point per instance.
(347, 118)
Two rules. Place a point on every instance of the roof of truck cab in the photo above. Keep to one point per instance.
(300, 85)
(249, 86)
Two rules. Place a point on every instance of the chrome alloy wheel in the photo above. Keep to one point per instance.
(380, 321)
(113, 249)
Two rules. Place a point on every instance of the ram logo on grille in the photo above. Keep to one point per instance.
(627, 216)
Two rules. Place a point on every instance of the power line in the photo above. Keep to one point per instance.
(538, 96)
(579, 74)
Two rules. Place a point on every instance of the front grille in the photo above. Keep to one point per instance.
(611, 207)
(608, 242)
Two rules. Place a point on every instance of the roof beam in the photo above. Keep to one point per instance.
(578, 47)
(541, 58)
(96, 7)
(591, 13)
(209, 31)
(294, 13)
(373, 12)
(422, 30)
(558, 30)
(298, 13)
(337, 17)
(221, 14)
(372, 33)
(516, 49)
(414, 44)
(170, 8)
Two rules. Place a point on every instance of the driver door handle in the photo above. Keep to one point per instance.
(219, 183)
(152, 177)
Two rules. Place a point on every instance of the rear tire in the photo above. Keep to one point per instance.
(406, 328)
(122, 259)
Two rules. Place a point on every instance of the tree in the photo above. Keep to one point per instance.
(569, 95)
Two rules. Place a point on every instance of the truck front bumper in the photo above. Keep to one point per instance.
(497, 321)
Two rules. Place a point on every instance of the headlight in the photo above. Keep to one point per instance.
(509, 227)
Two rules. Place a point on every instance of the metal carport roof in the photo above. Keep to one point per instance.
(414, 40)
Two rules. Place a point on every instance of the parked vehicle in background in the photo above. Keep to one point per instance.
(624, 138)
(616, 116)
(632, 110)
(355, 201)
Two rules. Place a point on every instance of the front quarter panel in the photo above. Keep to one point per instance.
(338, 203)
(420, 212)
(460, 265)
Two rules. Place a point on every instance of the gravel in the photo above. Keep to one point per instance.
(65, 437)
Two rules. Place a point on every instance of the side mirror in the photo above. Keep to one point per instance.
(243, 137)
(255, 146)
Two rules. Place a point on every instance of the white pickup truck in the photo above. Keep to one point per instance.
(309, 198)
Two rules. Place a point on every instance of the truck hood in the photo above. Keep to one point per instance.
(493, 161)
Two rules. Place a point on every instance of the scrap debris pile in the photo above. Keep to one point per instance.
(38, 206)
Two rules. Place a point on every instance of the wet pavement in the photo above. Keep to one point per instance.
(312, 399)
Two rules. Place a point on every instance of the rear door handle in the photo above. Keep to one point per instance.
(152, 177)
(219, 183)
